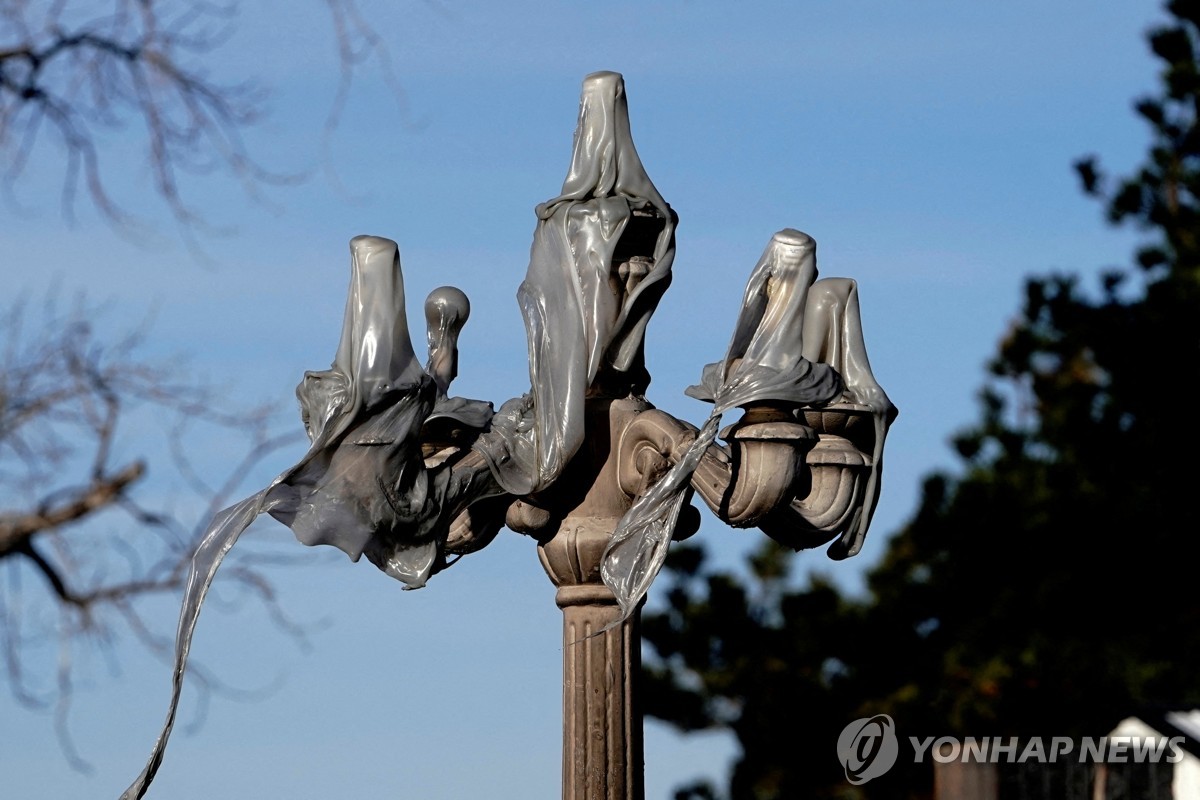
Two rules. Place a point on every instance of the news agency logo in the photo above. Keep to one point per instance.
(868, 748)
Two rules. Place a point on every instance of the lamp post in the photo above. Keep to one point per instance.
(412, 477)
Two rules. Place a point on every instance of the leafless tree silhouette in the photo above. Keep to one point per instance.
(71, 71)
(73, 530)
(82, 551)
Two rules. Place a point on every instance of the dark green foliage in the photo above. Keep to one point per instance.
(1049, 586)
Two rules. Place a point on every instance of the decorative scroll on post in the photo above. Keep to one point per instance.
(412, 477)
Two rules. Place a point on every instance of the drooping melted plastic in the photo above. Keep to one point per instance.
(764, 363)
(833, 334)
(582, 321)
(362, 486)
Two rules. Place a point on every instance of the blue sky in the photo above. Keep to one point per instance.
(926, 146)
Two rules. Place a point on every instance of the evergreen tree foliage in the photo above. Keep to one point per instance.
(1048, 586)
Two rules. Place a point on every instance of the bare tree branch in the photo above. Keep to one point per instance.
(72, 518)
(73, 72)
(17, 528)
(81, 544)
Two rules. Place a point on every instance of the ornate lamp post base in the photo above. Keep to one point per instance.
(602, 723)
